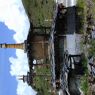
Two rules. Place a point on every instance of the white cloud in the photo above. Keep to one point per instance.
(24, 89)
(13, 15)
(20, 64)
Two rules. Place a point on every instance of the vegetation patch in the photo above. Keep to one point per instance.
(40, 12)
(84, 84)
(42, 84)
(81, 15)
(84, 79)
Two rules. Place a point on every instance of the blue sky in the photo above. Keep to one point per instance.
(8, 83)
(14, 27)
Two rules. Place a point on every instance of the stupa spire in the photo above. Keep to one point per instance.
(24, 78)
(16, 46)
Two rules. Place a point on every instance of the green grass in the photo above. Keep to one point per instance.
(81, 15)
(39, 11)
(84, 85)
(92, 48)
(93, 9)
(84, 79)
(81, 3)
(42, 85)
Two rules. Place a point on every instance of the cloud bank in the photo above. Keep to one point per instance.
(12, 13)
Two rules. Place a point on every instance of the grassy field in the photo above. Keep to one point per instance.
(42, 85)
(84, 85)
(81, 15)
(39, 11)
(88, 18)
